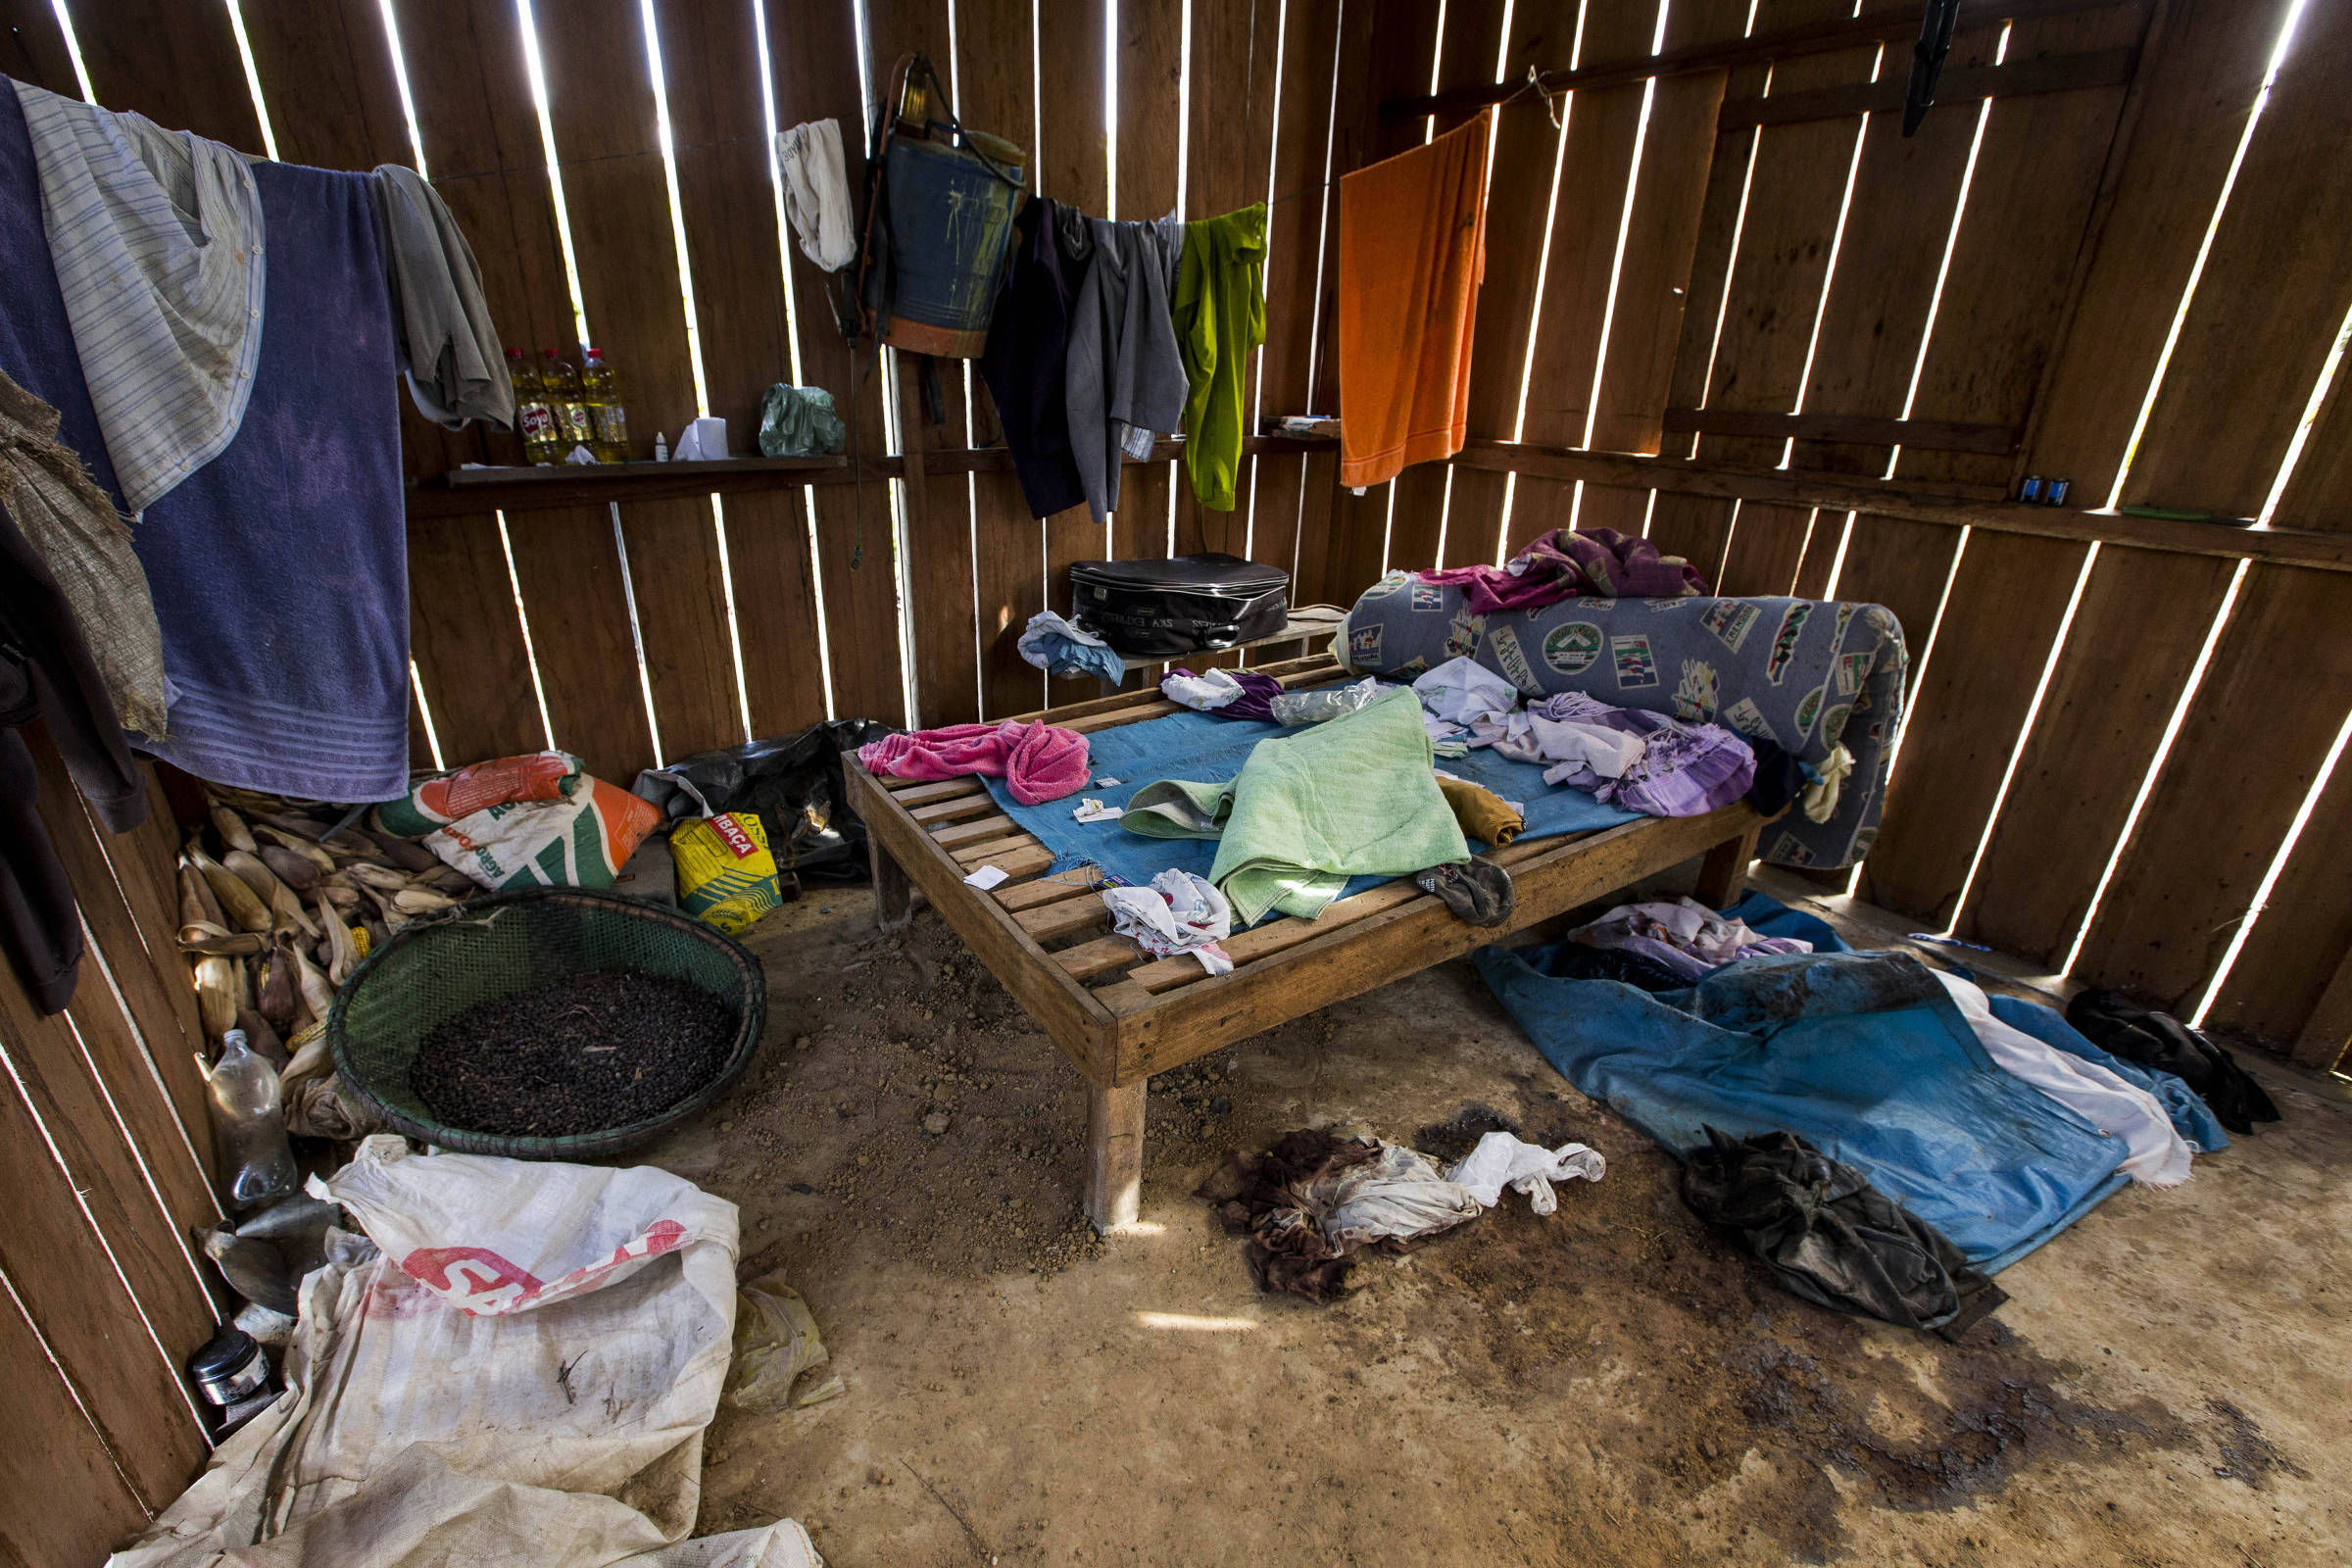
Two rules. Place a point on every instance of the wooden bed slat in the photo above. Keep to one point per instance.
(1165, 974)
(971, 854)
(1015, 857)
(1045, 890)
(1050, 922)
(911, 795)
(1158, 1032)
(1101, 957)
(955, 809)
(986, 827)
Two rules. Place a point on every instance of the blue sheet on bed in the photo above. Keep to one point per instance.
(1208, 749)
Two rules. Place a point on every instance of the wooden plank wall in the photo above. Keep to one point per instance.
(2111, 744)
(106, 1153)
(1717, 253)
(1687, 263)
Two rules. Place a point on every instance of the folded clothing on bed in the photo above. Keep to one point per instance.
(1354, 797)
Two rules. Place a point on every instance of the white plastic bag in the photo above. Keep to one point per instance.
(522, 1376)
(1502, 1161)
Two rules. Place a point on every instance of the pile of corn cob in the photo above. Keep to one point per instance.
(280, 909)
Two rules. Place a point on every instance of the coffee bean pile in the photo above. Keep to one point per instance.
(577, 1055)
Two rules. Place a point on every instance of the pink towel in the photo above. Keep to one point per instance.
(1038, 762)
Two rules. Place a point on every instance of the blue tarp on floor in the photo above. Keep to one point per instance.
(1863, 1054)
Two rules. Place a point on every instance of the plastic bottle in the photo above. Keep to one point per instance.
(249, 1126)
(534, 420)
(607, 419)
(563, 389)
(661, 445)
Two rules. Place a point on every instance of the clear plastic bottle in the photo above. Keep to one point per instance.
(562, 390)
(534, 420)
(249, 1126)
(607, 418)
(1328, 702)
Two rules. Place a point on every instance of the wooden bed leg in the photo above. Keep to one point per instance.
(1115, 1155)
(1723, 874)
(894, 893)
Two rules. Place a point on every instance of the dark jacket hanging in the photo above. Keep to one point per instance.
(46, 671)
(1023, 362)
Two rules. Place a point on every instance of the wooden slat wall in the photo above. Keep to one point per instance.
(2017, 266)
(105, 1152)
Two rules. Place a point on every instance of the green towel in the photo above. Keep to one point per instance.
(1354, 797)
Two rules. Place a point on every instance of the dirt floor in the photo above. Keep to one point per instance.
(2170, 1383)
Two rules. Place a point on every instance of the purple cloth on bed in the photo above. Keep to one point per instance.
(1566, 563)
(1684, 770)
(279, 569)
(1256, 700)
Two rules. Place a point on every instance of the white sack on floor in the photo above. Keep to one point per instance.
(523, 1378)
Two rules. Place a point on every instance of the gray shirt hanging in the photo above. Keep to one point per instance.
(1124, 372)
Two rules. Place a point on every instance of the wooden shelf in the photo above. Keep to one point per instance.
(462, 491)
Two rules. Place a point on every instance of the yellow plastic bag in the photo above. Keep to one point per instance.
(726, 875)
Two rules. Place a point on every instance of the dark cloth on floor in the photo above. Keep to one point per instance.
(2191, 1116)
(1267, 1197)
(1828, 1235)
(1575, 960)
(2115, 1023)
(1315, 1200)
(1023, 363)
(279, 569)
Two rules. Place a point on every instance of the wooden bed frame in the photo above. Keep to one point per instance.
(1121, 1017)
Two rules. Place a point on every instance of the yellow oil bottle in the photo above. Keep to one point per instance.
(607, 418)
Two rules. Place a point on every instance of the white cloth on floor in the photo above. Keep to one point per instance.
(1502, 1161)
(1398, 1193)
(817, 192)
(2160, 1155)
(1179, 913)
(1206, 693)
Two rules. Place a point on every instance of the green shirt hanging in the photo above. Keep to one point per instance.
(1221, 316)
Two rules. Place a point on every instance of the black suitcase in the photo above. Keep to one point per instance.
(1188, 604)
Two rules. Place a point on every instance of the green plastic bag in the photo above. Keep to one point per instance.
(798, 422)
